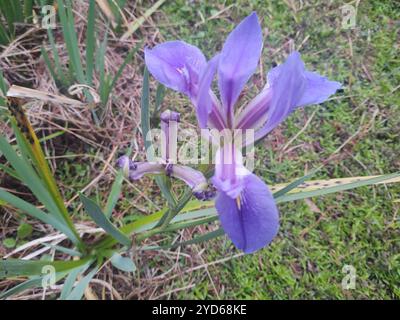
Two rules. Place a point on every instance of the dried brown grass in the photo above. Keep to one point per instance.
(22, 65)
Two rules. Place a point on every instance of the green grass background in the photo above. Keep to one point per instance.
(319, 237)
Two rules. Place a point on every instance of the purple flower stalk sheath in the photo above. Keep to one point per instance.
(193, 178)
(169, 128)
(245, 205)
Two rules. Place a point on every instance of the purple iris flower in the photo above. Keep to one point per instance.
(246, 207)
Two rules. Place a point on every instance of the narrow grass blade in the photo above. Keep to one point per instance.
(147, 223)
(32, 142)
(205, 237)
(145, 124)
(126, 61)
(4, 34)
(28, 284)
(3, 85)
(190, 224)
(338, 188)
(49, 65)
(51, 136)
(116, 189)
(30, 146)
(100, 67)
(163, 183)
(311, 185)
(117, 6)
(90, 41)
(145, 106)
(10, 171)
(79, 290)
(70, 252)
(22, 268)
(36, 213)
(18, 10)
(114, 194)
(106, 9)
(9, 14)
(57, 72)
(71, 279)
(175, 227)
(211, 212)
(160, 93)
(199, 239)
(296, 183)
(102, 221)
(31, 283)
(175, 209)
(28, 8)
(138, 22)
(121, 69)
(70, 37)
(30, 178)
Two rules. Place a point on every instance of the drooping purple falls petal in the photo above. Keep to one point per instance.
(177, 65)
(252, 220)
(238, 61)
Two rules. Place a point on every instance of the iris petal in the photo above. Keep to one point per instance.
(292, 86)
(318, 89)
(229, 171)
(287, 89)
(238, 61)
(177, 65)
(254, 114)
(204, 103)
(252, 220)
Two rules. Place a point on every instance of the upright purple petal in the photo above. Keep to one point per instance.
(204, 103)
(238, 61)
(252, 220)
(318, 89)
(177, 65)
(291, 86)
(288, 85)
